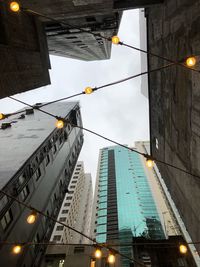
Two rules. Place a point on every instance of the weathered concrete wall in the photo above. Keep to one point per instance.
(23, 52)
(173, 32)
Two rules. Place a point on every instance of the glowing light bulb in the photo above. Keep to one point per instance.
(98, 253)
(14, 6)
(191, 61)
(149, 163)
(88, 90)
(59, 124)
(111, 258)
(115, 40)
(32, 217)
(2, 116)
(183, 249)
(17, 249)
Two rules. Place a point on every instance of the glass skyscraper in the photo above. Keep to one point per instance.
(125, 207)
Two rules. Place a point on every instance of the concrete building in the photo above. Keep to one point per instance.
(161, 253)
(143, 56)
(76, 211)
(124, 205)
(174, 104)
(36, 164)
(167, 216)
(23, 52)
(99, 16)
(73, 43)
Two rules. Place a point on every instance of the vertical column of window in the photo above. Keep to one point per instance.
(112, 217)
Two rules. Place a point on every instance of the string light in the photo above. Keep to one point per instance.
(149, 163)
(183, 249)
(115, 40)
(98, 253)
(112, 141)
(60, 123)
(32, 217)
(88, 90)
(191, 61)
(2, 116)
(14, 6)
(111, 258)
(17, 249)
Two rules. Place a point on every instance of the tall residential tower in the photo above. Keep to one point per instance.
(36, 164)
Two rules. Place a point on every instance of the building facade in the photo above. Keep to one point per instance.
(37, 161)
(98, 16)
(23, 52)
(167, 215)
(73, 43)
(174, 104)
(76, 211)
(124, 206)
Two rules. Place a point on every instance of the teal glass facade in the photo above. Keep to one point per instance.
(123, 185)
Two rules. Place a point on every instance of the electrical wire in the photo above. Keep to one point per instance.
(147, 156)
(69, 227)
(99, 87)
(109, 39)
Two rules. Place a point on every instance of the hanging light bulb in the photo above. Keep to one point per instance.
(98, 253)
(17, 249)
(115, 40)
(88, 90)
(14, 6)
(149, 163)
(191, 61)
(60, 124)
(32, 217)
(183, 249)
(111, 258)
(2, 116)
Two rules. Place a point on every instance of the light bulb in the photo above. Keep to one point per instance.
(115, 40)
(191, 61)
(88, 90)
(17, 249)
(59, 124)
(2, 116)
(32, 217)
(111, 258)
(98, 253)
(183, 249)
(149, 163)
(14, 6)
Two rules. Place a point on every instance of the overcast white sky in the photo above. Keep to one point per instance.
(119, 112)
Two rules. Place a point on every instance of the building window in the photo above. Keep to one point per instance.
(59, 228)
(6, 220)
(79, 250)
(56, 237)
(62, 219)
(61, 263)
(64, 211)
(22, 179)
(72, 186)
(3, 202)
(66, 204)
(68, 198)
(74, 182)
(54, 148)
(47, 160)
(38, 173)
(25, 192)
